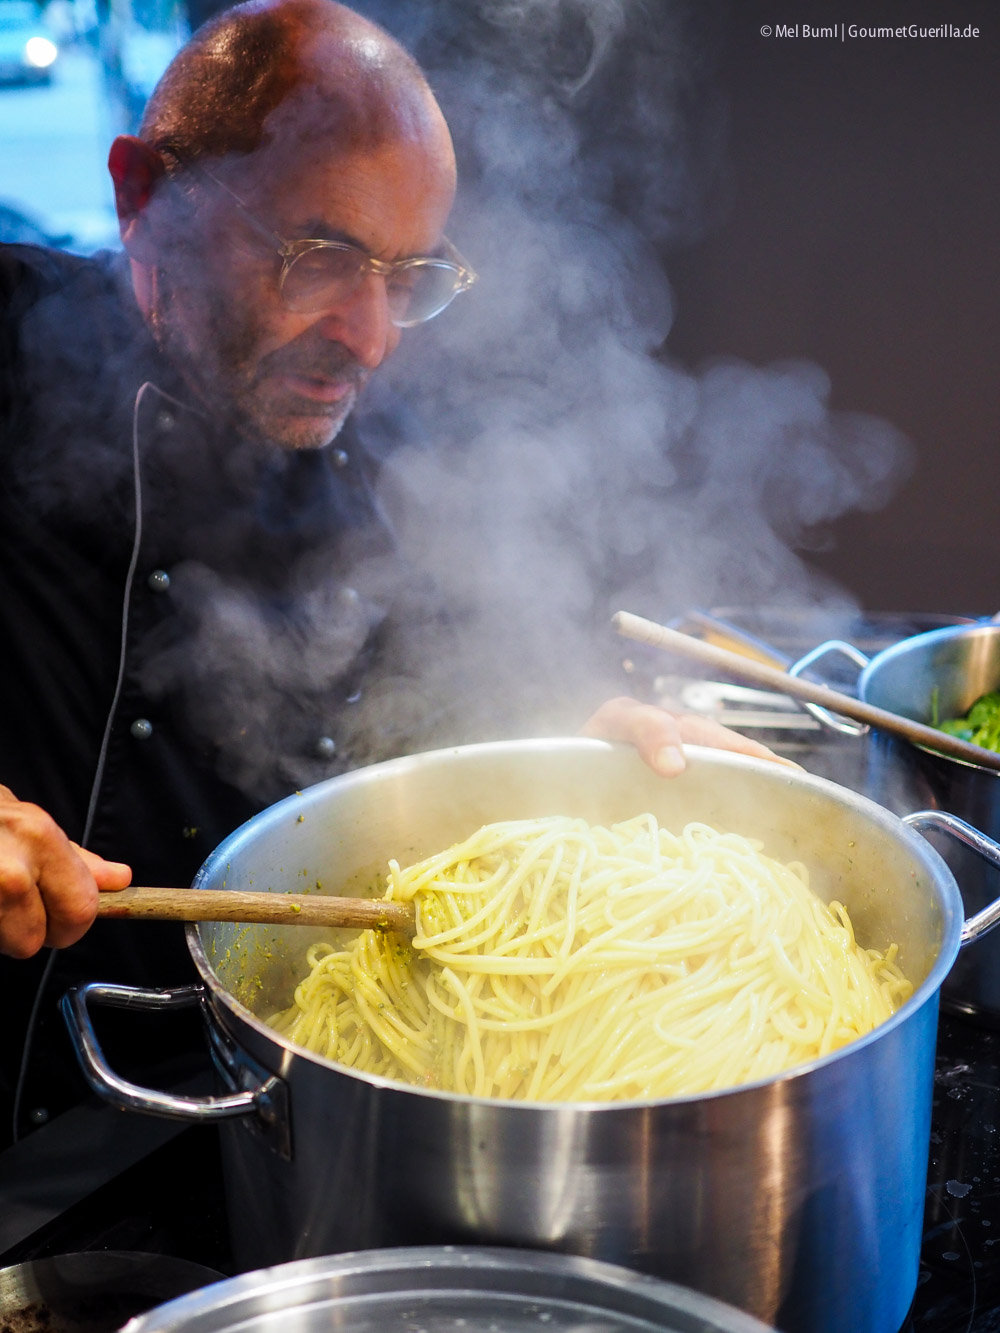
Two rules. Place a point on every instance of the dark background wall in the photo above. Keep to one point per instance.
(832, 200)
(859, 227)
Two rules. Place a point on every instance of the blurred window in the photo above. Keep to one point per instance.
(73, 74)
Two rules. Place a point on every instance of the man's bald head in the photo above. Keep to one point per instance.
(312, 69)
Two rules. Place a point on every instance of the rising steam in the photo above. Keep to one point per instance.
(573, 467)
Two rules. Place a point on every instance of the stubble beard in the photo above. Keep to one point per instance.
(215, 357)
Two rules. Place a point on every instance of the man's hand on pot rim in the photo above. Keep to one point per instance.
(660, 735)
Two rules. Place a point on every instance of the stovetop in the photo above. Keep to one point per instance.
(167, 1196)
(959, 1284)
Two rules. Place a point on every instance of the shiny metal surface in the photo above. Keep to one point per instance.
(439, 1289)
(798, 1200)
(926, 821)
(954, 666)
(76, 1004)
(742, 706)
(958, 663)
(833, 720)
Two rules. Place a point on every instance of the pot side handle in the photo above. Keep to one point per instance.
(921, 820)
(832, 720)
(128, 1096)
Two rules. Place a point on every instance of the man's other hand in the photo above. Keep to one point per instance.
(659, 735)
(48, 885)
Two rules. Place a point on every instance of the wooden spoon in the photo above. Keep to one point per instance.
(918, 733)
(284, 909)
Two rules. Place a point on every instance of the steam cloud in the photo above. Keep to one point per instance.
(568, 467)
(573, 468)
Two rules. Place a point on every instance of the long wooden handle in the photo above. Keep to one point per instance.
(648, 631)
(284, 909)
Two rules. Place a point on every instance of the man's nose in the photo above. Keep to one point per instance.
(362, 323)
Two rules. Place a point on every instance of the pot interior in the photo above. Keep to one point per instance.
(336, 837)
(935, 676)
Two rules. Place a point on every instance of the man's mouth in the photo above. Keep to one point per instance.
(318, 388)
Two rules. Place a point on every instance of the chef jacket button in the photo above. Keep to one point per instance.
(340, 458)
(326, 747)
(165, 419)
(353, 698)
(141, 729)
(39, 1116)
(349, 596)
(159, 580)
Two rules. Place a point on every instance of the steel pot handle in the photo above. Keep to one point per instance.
(131, 1096)
(832, 720)
(983, 922)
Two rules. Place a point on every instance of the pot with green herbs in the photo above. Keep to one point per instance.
(947, 678)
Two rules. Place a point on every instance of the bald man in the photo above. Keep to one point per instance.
(188, 501)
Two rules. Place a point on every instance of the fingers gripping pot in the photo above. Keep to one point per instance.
(928, 678)
(798, 1199)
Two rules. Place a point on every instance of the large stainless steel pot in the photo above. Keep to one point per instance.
(929, 677)
(798, 1199)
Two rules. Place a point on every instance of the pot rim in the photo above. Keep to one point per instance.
(938, 872)
(425, 1271)
(973, 629)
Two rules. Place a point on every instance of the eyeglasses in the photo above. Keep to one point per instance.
(316, 275)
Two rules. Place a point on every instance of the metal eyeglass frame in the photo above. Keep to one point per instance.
(290, 251)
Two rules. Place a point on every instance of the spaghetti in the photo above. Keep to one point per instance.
(559, 961)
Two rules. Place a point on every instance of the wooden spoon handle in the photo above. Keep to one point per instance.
(286, 909)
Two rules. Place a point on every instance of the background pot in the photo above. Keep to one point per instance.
(798, 1199)
(930, 677)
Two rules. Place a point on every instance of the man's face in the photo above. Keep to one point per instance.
(279, 377)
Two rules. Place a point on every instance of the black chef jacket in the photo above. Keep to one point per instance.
(122, 753)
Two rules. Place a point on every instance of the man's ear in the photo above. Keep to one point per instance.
(136, 170)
